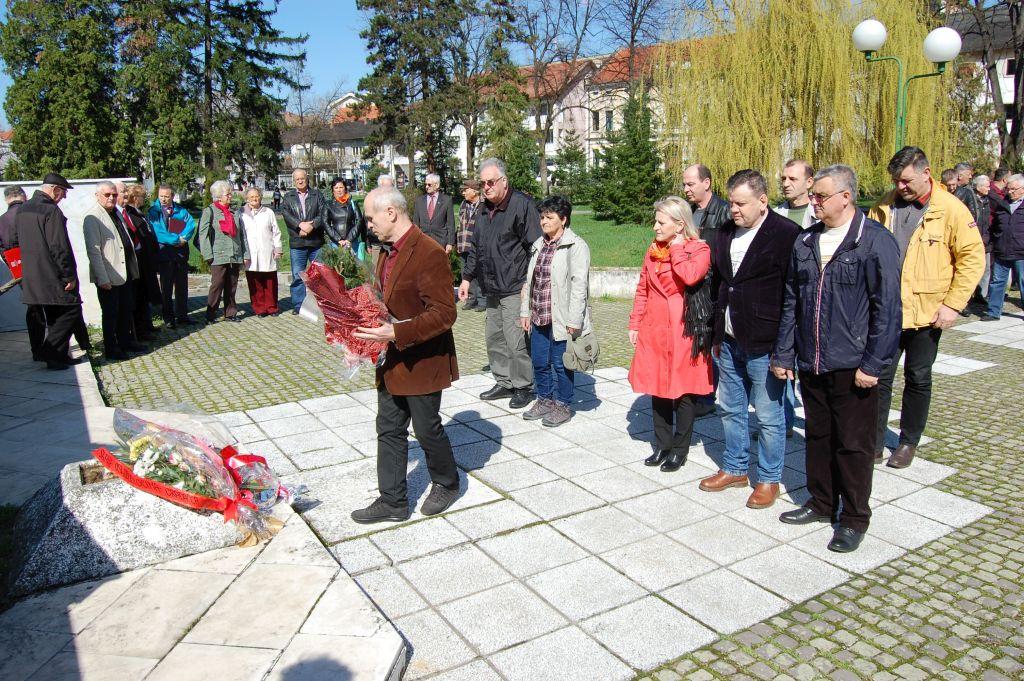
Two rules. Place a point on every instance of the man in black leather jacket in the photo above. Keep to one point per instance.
(303, 211)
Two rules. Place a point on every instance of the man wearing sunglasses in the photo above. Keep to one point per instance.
(506, 227)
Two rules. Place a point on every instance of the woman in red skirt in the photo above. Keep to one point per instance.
(264, 237)
(670, 328)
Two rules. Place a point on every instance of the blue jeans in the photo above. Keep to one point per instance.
(997, 283)
(301, 257)
(746, 379)
(551, 379)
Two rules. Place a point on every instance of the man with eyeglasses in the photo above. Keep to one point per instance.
(840, 326)
(1007, 248)
(942, 260)
(506, 227)
(433, 214)
(50, 273)
(303, 211)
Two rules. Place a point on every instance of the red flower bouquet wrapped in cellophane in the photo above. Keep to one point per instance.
(344, 310)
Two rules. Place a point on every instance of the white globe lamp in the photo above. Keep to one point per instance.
(942, 45)
(869, 36)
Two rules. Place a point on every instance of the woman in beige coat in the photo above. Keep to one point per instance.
(554, 309)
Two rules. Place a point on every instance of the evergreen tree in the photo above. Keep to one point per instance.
(570, 177)
(630, 178)
(62, 60)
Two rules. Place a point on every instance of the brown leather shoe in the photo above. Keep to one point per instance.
(902, 457)
(722, 480)
(764, 495)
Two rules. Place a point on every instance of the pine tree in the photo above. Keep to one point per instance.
(630, 179)
(570, 176)
(62, 60)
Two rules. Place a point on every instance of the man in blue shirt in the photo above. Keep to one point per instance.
(174, 226)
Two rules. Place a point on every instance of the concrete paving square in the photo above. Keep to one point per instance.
(502, 617)
(567, 654)
(584, 588)
(531, 550)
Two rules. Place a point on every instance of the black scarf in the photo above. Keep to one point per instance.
(697, 317)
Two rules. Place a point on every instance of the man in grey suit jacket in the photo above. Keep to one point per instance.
(433, 213)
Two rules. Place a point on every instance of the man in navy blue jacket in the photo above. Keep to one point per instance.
(841, 320)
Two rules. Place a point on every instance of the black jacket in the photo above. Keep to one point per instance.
(343, 222)
(441, 228)
(148, 262)
(753, 295)
(8, 228)
(47, 261)
(1007, 237)
(715, 216)
(291, 211)
(502, 241)
(847, 315)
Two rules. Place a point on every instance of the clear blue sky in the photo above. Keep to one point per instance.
(334, 50)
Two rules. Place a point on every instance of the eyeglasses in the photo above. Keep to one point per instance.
(491, 183)
(822, 198)
(109, 194)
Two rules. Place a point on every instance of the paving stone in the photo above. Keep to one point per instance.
(567, 654)
(417, 539)
(572, 463)
(228, 561)
(453, 573)
(317, 405)
(531, 550)
(585, 432)
(359, 555)
(214, 663)
(278, 411)
(533, 443)
(307, 440)
(602, 529)
(942, 506)
(766, 521)
(664, 510)
(886, 487)
(290, 425)
(726, 501)
(295, 589)
(296, 544)
(22, 652)
(491, 519)
(435, 646)
(324, 658)
(584, 588)
(476, 455)
(474, 671)
(658, 562)
(468, 413)
(343, 419)
(872, 552)
(723, 539)
(392, 594)
(234, 418)
(513, 475)
(321, 458)
(616, 484)
(523, 616)
(623, 449)
(556, 499)
(505, 425)
(790, 573)
(75, 665)
(903, 528)
(724, 601)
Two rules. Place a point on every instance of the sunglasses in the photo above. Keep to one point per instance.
(491, 183)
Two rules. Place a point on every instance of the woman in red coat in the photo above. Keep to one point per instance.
(670, 328)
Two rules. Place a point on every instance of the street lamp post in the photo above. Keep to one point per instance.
(940, 47)
(149, 137)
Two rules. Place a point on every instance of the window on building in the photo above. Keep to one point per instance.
(596, 118)
(608, 124)
(597, 159)
(550, 136)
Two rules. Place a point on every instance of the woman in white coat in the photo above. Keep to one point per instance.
(264, 237)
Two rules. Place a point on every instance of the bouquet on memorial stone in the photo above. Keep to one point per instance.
(344, 310)
(196, 465)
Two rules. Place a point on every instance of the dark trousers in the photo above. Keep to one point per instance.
(142, 319)
(393, 415)
(118, 306)
(60, 324)
(676, 439)
(35, 321)
(81, 331)
(223, 284)
(262, 291)
(840, 445)
(920, 347)
(174, 279)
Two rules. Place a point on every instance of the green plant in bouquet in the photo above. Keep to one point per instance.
(152, 458)
(344, 262)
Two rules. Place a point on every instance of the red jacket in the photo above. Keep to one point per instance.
(662, 365)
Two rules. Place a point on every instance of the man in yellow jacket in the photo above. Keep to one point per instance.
(943, 260)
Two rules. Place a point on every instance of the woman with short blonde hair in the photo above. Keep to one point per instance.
(223, 245)
(671, 331)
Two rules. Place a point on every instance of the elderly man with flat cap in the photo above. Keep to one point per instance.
(472, 200)
(49, 271)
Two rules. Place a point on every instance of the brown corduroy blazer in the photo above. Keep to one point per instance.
(419, 295)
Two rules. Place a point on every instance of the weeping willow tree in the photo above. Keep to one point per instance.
(766, 80)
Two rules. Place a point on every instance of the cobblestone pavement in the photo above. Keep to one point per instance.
(951, 608)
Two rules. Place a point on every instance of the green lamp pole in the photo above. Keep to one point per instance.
(940, 47)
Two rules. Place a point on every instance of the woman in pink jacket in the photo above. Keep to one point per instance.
(670, 328)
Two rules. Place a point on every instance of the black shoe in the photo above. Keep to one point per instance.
(56, 366)
(656, 458)
(674, 462)
(439, 499)
(380, 511)
(521, 397)
(703, 409)
(76, 360)
(845, 540)
(988, 318)
(498, 392)
(469, 305)
(803, 516)
(38, 358)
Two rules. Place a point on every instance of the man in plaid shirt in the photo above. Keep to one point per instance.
(467, 222)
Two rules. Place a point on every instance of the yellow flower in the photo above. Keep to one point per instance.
(137, 446)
